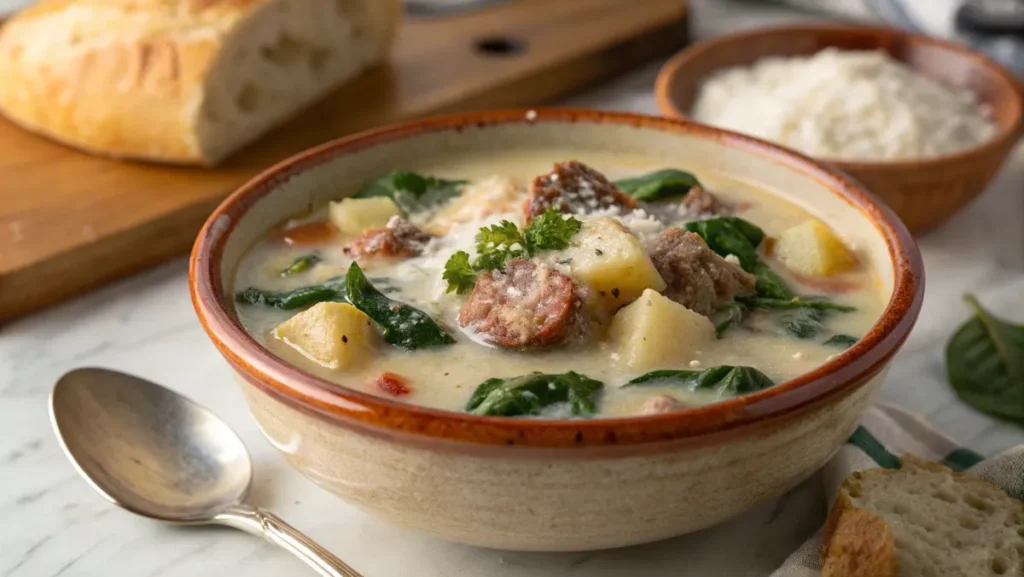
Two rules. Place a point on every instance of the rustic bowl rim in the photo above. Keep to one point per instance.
(1008, 131)
(350, 407)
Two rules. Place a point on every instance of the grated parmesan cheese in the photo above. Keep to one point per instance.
(861, 105)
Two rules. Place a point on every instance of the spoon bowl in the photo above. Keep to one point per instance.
(148, 449)
(158, 454)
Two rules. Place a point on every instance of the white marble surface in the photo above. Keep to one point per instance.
(54, 524)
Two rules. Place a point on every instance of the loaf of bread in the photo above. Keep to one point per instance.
(181, 81)
(922, 520)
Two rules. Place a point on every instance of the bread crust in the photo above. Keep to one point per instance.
(856, 543)
(124, 78)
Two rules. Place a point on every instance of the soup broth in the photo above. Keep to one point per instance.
(827, 298)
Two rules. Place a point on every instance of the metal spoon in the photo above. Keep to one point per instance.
(155, 453)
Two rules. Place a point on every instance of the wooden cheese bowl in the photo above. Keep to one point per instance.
(925, 192)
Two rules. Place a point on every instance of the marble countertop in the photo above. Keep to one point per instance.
(54, 524)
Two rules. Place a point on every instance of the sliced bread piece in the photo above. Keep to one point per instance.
(183, 81)
(922, 520)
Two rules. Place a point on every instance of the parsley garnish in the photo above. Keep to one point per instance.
(459, 273)
(499, 243)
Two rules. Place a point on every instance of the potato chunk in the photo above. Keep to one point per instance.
(811, 248)
(654, 332)
(336, 335)
(606, 257)
(354, 215)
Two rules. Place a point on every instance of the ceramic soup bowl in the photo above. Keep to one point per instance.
(555, 485)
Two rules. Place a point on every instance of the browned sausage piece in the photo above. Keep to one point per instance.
(660, 404)
(697, 278)
(699, 201)
(526, 305)
(399, 238)
(576, 188)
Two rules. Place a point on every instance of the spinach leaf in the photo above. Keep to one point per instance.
(658, 185)
(724, 237)
(804, 302)
(985, 363)
(731, 235)
(404, 326)
(731, 314)
(301, 264)
(840, 341)
(805, 314)
(769, 283)
(803, 323)
(410, 191)
(726, 379)
(332, 289)
(529, 394)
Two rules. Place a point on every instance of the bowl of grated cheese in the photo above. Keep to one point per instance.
(924, 123)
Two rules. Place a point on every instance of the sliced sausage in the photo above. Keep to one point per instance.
(659, 404)
(576, 188)
(399, 238)
(526, 305)
(697, 278)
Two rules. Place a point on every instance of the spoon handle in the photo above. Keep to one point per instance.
(272, 528)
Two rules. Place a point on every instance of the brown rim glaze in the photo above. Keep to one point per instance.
(345, 406)
(814, 37)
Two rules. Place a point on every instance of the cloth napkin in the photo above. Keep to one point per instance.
(885, 433)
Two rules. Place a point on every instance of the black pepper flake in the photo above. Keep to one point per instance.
(598, 251)
(615, 292)
(446, 374)
(602, 293)
(344, 338)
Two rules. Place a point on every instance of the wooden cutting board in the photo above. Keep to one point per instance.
(69, 221)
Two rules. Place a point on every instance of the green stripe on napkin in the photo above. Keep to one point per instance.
(962, 459)
(866, 442)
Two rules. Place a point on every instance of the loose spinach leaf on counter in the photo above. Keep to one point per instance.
(985, 364)
(658, 185)
(726, 379)
(404, 326)
(301, 264)
(731, 235)
(410, 191)
(332, 289)
(840, 341)
(530, 394)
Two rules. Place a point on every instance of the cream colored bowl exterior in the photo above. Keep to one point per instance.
(547, 500)
(512, 497)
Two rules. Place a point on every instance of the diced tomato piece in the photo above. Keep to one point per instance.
(393, 384)
(318, 232)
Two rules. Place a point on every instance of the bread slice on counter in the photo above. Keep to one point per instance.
(181, 81)
(922, 520)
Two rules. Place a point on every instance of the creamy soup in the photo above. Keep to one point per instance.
(507, 286)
